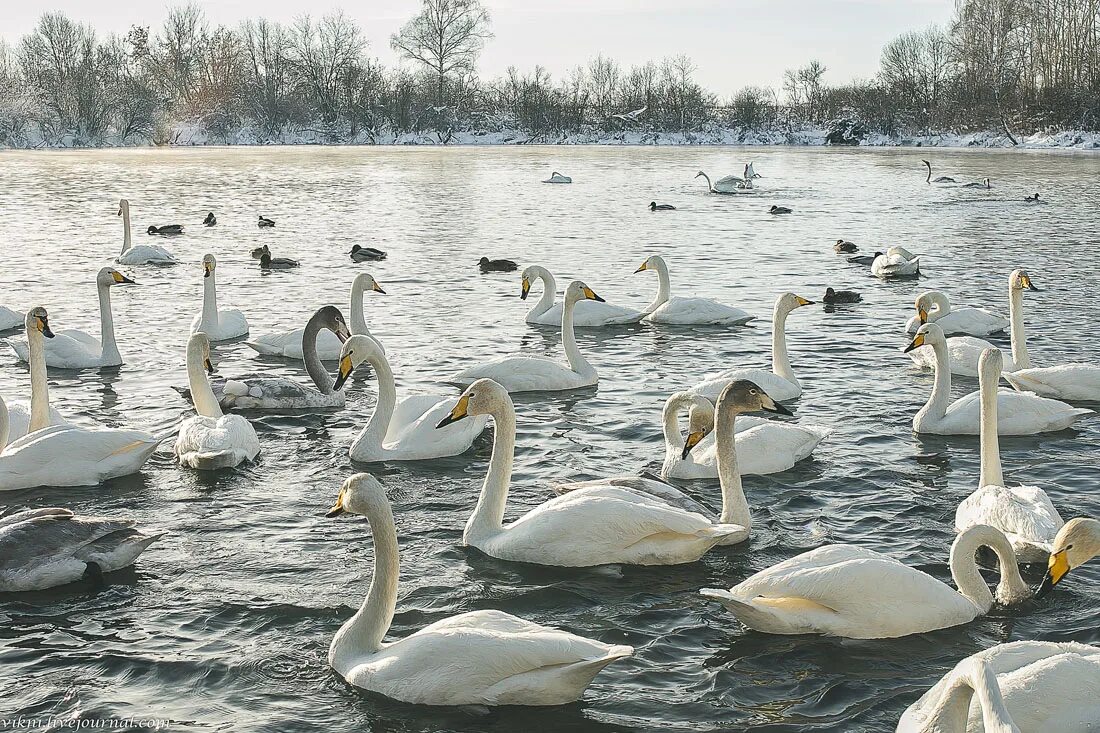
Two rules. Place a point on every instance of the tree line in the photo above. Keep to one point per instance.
(1020, 65)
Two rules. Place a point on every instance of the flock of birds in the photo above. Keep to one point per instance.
(492, 658)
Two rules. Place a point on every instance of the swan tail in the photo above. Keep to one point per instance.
(261, 348)
(554, 684)
(748, 614)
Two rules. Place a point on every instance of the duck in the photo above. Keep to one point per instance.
(264, 222)
(267, 262)
(49, 547)
(1077, 542)
(895, 262)
(865, 259)
(843, 246)
(832, 297)
(75, 349)
(727, 184)
(142, 254)
(539, 374)
(1024, 513)
(259, 252)
(975, 184)
(1077, 381)
(933, 306)
(857, 593)
(488, 265)
(1019, 413)
(941, 179)
(10, 319)
(366, 254)
(25, 416)
(219, 324)
(779, 209)
(281, 393)
(1033, 197)
(168, 230)
(556, 177)
(780, 382)
(599, 524)
(654, 206)
(1021, 686)
(210, 220)
(211, 440)
(586, 313)
(680, 311)
(483, 657)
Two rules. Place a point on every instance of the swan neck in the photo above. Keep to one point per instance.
(664, 287)
(549, 291)
(735, 508)
(40, 389)
(674, 439)
(938, 401)
(358, 320)
(964, 567)
(109, 351)
(4, 425)
(375, 431)
(125, 230)
(202, 396)
(316, 370)
(488, 516)
(781, 361)
(1020, 356)
(577, 362)
(990, 443)
(209, 320)
(952, 712)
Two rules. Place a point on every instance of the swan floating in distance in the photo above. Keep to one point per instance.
(1028, 686)
(74, 349)
(632, 115)
(487, 265)
(1019, 413)
(833, 297)
(983, 184)
(941, 179)
(556, 177)
(586, 313)
(402, 430)
(45, 548)
(654, 206)
(267, 262)
(219, 324)
(211, 440)
(289, 343)
(599, 524)
(780, 383)
(750, 173)
(26, 416)
(360, 253)
(142, 254)
(476, 658)
(1077, 542)
(265, 223)
(259, 252)
(210, 220)
(843, 246)
(933, 306)
(1023, 513)
(680, 311)
(856, 593)
(895, 262)
(10, 320)
(536, 373)
(727, 184)
(1065, 381)
(168, 230)
(281, 393)
(779, 209)
(865, 259)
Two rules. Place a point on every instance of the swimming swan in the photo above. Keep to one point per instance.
(476, 658)
(1077, 542)
(218, 324)
(728, 184)
(934, 307)
(556, 177)
(941, 179)
(586, 313)
(10, 320)
(686, 311)
(142, 254)
(595, 525)
(36, 413)
(895, 262)
(402, 430)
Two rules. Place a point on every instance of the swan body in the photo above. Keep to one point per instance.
(536, 374)
(1020, 687)
(45, 548)
(402, 430)
(596, 525)
(219, 324)
(895, 263)
(142, 254)
(963, 353)
(727, 184)
(556, 177)
(1018, 413)
(211, 440)
(10, 320)
(941, 179)
(686, 311)
(974, 184)
(934, 307)
(856, 593)
(475, 658)
(586, 313)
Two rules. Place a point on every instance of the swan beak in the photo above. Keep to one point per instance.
(1026, 282)
(591, 295)
(915, 343)
(458, 413)
(119, 213)
(205, 270)
(525, 288)
(342, 332)
(769, 405)
(344, 371)
(337, 508)
(1057, 567)
(378, 289)
(803, 301)
(44, 327)
(693, 440)
(640, 268)
(120, 278)
(922, 314)
(209, 366)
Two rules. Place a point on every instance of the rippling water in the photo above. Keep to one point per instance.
(225, 623)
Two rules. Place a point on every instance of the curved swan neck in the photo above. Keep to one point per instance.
(109, 351)
(375, 431)
(209, 318)
(549, 291)
(125, 229)
(488, 516)
(664, 285)
(577, 362)
(674, 439)
(1016, 328)
(358, 320)
(735, 508)
(40, 389)
(316, 370)
(781, 361)
(990, 444)
(710, 186)
(964, 567)
(951, 713)
(202, 396)
(938, 401)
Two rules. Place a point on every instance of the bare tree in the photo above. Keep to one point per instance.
(446, 37)
(325, 53)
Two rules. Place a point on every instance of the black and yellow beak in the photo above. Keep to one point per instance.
(119, 213)
(1057, 568)
(917, 342)
(344, 371)
(525, 288)
(44, 326)
(378, 288)
(591, 295)
(767, 404)
(922, 314)
(693, 440)
(803, 301)
(458, 413)
(642, 266)
(1026, 282)
(206, 269)
(120, 278)
(337, 508)
(209, 365)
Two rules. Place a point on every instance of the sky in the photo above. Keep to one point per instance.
(734, 43)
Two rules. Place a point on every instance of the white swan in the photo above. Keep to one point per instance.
(533, 373)
(1021, 687)
(402, 430)
(963, 353)
(24, 416)
(1065, 381)
(142, 254)
(586, 313)
(45, 548)
(1019, 413)
(556, 177)
(475, 658)
(281, 393)
(727, 184)
(853, 592)
(211, 440)
(596, 525)
(1077, 542)
(686, 311)
(289, 343)
(10, 320)
(74, 349)
(1024, 513)
(219, 324)
(781, 382)
(934, 306)
(896, 262)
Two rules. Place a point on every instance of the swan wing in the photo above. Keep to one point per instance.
(91, 455)
(289, 344)
(698, 311)
(146, 254)
(223, 442)
(1018, 413)
(971, 321)
(19, 419)
(275, 393)
(771, 447)
(644, 485)
(776, 386)
(413, 426)
(10, 319)
(525, 374)
(1066, 381)
(72, 349)
(1024, 513)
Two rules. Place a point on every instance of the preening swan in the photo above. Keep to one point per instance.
(853, 592)
(45, 548)
(727, 184)
(143, 254)
(941, 179)
(74, 349)
(595, 525)
(1065, 381)
(289, 343)
(475, 658)
(10, 320)
(934, 307)
(536, 373)
(1019, 413)
(556, 177)
(586, 313)
(780, 383)
(219, 324)
(1021, 687)
(211, 439)
(1023, 513)
(280, 393)
(1077, 542)
(402, 430)
(895, 262)
(686, 311)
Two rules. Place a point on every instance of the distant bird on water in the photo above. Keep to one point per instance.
(841, 296)
(264, 222)
(259, 252)
(654, 206)
(488, 265)
(941, 179)
(843, 246)
(166, 230)
(779, 210)
(983, 184)
(210, 220)
(556, 177)
(366, 254)
(267, 262)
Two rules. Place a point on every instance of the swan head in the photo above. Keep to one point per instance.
(700, 421)
(742, 395)
(198, 347)
(359, 494)
(700, 173)
(483, 397)
(1076, 543)
(109, 276)
(365, 281)
(38, 320)
(787, 302)
(1020, 280)
(929, 334)
(123, 206)
(209, 264)
(931, 299)
(578, 291)
(653, 262)
(990, 364)
(331, 318)
(355, 351)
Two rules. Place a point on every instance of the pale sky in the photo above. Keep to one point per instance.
(733, 42)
